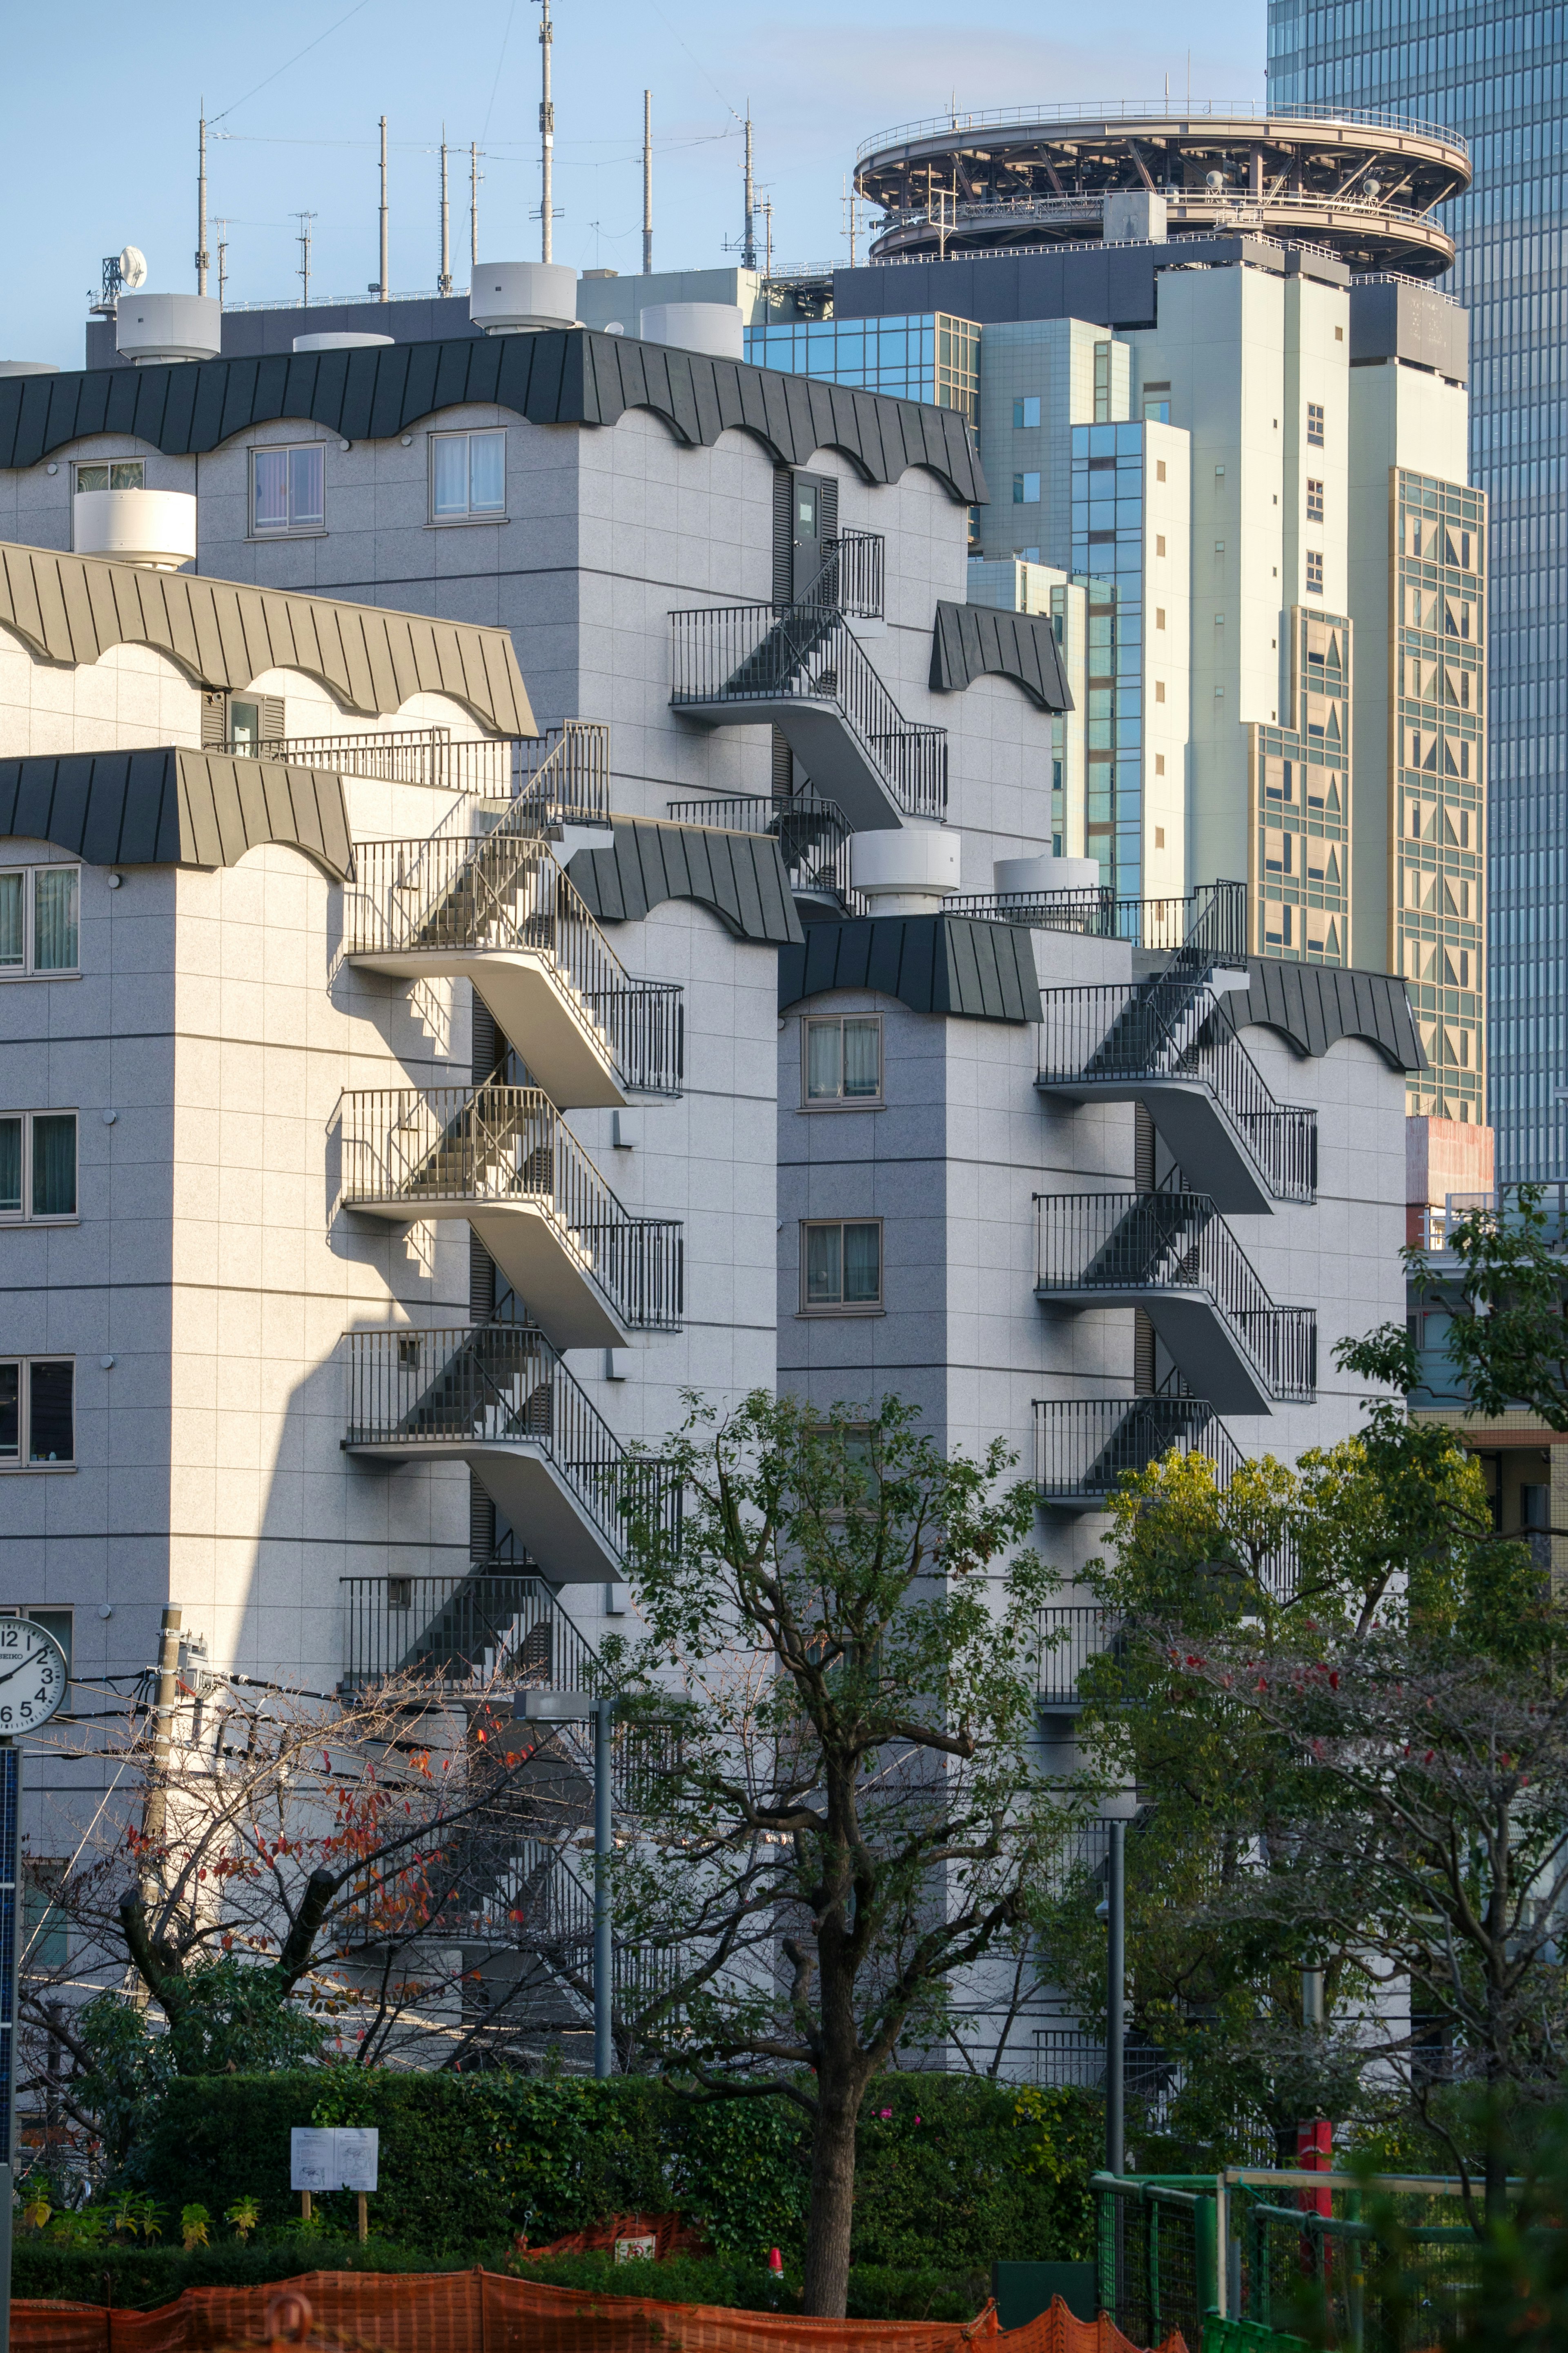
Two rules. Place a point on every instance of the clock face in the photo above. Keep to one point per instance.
(33, 1679)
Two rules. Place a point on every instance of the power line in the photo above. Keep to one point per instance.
(291, 62)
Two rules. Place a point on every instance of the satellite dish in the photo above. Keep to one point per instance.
(133, 268)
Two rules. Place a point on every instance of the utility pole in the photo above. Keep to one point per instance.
(473, 208)
(546, 134)
(748, 232)
(156, 1808)
(647, 184)
(383, 286)
(201, 202)
(444, 282)
(1116, 2001)
(304, 220)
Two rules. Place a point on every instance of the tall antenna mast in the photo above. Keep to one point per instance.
(201, 202)
(304, 220)
(474, 205)
(546, 134)
(384, 287)
(768, 236)
(222, 259)
(748, 232)
(444, 283)
(647, 182)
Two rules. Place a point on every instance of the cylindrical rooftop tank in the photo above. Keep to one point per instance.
(28, 367)
(906, 870)
(342, 341)
(717, 328)
(1031, 878)
(508, 298)
(151, 328)
(156, 529)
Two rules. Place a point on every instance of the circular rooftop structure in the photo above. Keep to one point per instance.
(1364, 185)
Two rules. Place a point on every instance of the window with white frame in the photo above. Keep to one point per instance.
(37, 1412)
(289, 489)
(111, 474)
(1314, 572)
(843, 1059)
(841, 1265)
(38, 1165)
(40, 927)
(467, 475)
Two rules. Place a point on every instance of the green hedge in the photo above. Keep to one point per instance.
(950, 2177)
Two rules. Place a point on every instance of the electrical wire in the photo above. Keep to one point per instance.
(289, 63)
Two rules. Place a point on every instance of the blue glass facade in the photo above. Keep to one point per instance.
(1108, 558)
(930, 357)
(1496, 73)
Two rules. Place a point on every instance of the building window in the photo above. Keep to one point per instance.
(288, 488)
(1315, 423)
(842, 1266)
(1314, 500)
(1025, 413)
(112, 474)
(37, 1411)
(38, 1165)
(40, 927)
(844, 1058)
(467, 475)
(44, 1943)
(1314, 572)
(1025, 490)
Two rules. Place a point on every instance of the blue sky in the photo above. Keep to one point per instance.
(98, 125)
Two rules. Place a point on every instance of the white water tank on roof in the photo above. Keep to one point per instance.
(155, 529)
(340, 342)
(1031, 878)
(508, 298)
(718, 329)
(153, 328)
(906, 870)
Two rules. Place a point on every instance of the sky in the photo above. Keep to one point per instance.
(98, 115)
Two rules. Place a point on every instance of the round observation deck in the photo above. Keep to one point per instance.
(1361, 185)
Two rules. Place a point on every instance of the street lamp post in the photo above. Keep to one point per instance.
(1113, 1910)
(583, 1707)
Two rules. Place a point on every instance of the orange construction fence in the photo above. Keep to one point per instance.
(490, 2312)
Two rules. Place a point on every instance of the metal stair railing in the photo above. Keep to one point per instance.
(1083, 1446)
(451, 1385)
(494, 1627)
(1160, 1030)
(813, 837)
(559, 778)
(1161, 926)
(421, 1146)
(1175, 1241)
(506, 890)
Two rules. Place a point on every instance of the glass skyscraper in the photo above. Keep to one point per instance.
(1495, 71)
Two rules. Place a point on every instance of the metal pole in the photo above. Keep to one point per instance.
(473, 207)
(444, 283)
(1116, 2003)
(202, 208)
(546, 134)
(154, 1812)
(603, 1958)
(10, 1956)
(748, 234)
(647, 184)
(385, 288)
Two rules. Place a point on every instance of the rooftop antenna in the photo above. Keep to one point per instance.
(767, 237)
(222, 260)
(384, 287)
(849, 201)
(303, 271)
(748, 232)
(647, 184)
(202, 202)
(474, 205)
(444, 283)
(546, 134)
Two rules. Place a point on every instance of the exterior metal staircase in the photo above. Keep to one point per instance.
(559, 778)
(813, 837)
(498, 1397)
(802, 668)
(503, 1159)
(1171, 1253)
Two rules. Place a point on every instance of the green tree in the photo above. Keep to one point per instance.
(846, 1816)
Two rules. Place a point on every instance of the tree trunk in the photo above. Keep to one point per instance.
(832, 2196)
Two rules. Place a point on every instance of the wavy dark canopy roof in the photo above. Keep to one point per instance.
(970, 642)
(168, 807)
(569, 376)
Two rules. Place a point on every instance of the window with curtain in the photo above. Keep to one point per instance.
(467, 475)
(37, 1410)
(113, 474)
(844, 1058)
(289, 488)
(55, 941)
(841, 1264)
(38, 1165)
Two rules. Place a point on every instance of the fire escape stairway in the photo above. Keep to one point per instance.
(498, 1397)
(802, 668)
(1168, 1041)
(497, 909)
(1171, 1253)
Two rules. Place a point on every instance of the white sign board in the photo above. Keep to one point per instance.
(341, 2157)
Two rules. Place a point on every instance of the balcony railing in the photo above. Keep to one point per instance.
(1212, 920)
(1084, 1446)
(1173, 1029)
(742, 654)
(499, 1384)
(813, 837)
(492, 1629)
(1069, 1636)
(852, 576)
(559, 778)
(505, 892)
(508, 1145)
(1172, 1241)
